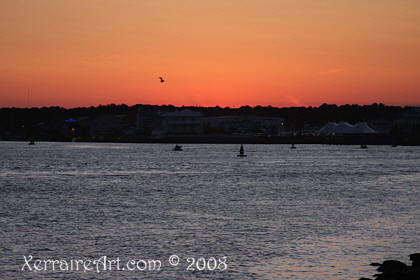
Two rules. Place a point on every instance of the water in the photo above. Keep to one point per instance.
(315, 212)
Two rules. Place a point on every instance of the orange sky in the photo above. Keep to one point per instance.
(210, 52)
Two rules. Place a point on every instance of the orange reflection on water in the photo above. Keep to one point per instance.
(338, 258)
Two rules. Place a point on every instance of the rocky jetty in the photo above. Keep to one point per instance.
(396, 270)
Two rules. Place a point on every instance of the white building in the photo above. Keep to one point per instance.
(182, 123)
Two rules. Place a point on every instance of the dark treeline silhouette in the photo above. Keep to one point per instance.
(314, 116)
(121, 122)
(14, 118)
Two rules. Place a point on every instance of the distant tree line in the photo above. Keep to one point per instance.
(14, 118)
(313, 116)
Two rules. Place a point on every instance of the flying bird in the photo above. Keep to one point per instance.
(161, 79)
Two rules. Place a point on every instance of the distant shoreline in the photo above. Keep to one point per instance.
(326, 124)
(382, 140)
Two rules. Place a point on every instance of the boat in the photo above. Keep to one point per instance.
(363, 146)
(32, 142)
(241, 151)
(177, 148)
(293, 146)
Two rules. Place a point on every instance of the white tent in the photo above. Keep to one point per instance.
(362, 127)
(328, 128)
(345, 128)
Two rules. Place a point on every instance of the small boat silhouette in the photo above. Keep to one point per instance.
(241, 151)
(177, 148)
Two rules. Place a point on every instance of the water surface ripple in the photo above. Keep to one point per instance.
(315, 212)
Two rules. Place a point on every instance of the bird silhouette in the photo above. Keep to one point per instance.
(161, 79)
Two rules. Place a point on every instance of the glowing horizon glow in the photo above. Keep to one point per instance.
(225, 53)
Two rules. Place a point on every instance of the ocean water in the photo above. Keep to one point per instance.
(315, 212)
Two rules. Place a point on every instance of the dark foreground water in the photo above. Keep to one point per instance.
(315, 212)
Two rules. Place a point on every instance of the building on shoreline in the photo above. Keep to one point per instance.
(182, 123)
(409, 122)
(245, 125)
(155, 124)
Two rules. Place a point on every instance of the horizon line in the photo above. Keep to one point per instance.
(214, 106)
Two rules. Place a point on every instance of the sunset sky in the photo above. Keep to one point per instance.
(210, 52)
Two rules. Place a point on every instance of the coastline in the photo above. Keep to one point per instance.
(377, 139)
